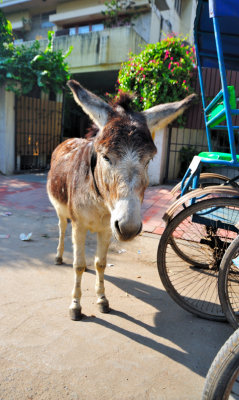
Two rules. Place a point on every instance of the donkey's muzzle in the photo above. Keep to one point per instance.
(125, 232)
(126, 220)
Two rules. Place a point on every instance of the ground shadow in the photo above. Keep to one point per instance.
(197, 340)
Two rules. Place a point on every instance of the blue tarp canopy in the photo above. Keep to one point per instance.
(227, 13)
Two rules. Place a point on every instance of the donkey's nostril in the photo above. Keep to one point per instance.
(140, 229)
(117, 226)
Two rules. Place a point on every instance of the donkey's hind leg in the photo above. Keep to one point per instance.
(103, 241)
(62, 229)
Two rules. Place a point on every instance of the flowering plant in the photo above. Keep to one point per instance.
(161, 73)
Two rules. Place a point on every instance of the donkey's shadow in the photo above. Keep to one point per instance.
(199, 339)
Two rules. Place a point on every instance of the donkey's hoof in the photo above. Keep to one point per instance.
(75, 314)
(104, 307)
(58, 261)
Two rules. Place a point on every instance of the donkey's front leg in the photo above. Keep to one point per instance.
(79, 265)
(103, 241)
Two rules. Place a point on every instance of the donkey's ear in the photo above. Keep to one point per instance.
(160, 116)
(97, 109)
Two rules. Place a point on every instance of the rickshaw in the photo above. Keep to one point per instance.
(204, 219)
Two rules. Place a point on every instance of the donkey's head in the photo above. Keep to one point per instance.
(122, 150)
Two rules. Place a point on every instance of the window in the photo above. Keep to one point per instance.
(97, 27)
(178, 6)
(84, 29)
(74, 30)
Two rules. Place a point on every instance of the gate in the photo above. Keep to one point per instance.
(38, 130)
(185, 142)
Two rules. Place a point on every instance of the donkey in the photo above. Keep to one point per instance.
(99, 182)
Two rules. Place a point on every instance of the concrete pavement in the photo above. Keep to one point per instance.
(147, 348)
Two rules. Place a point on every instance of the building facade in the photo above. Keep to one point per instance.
(100, 45)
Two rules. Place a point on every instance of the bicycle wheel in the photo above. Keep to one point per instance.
(205, 179)
(228, 283)
(222, 380)
(190, 252)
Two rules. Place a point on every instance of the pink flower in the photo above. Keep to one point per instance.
(143, 76)
(141, 69)
(166, 54)
(169, 65)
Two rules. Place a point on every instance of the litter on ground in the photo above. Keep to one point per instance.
(25, 237)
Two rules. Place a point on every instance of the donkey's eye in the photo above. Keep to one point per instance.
(106, 159)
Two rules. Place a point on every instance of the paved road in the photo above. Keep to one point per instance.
(146, 348)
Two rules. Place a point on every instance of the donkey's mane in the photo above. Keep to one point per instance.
(124, 100)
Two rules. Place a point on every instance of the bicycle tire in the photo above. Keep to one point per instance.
(228, 283)
(204, 176)
(193, 288)
(223, 376)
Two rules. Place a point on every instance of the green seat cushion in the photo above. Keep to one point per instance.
(217, 156)
(219, 106)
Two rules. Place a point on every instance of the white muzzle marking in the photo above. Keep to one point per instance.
(126, 220)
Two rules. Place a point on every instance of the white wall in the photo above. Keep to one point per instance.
(157, 165)
(142, 25)
(7, 132)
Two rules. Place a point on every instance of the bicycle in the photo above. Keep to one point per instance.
(222, 380)
(202, 222)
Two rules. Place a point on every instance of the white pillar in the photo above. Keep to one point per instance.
(7, 132)
(154, 25)
(156, 169)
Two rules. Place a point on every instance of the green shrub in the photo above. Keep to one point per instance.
(24, 68)
(6, 35)
(119, 13)
(161, 73)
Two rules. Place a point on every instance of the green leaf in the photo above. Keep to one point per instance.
(68, 52)
(29, 65)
